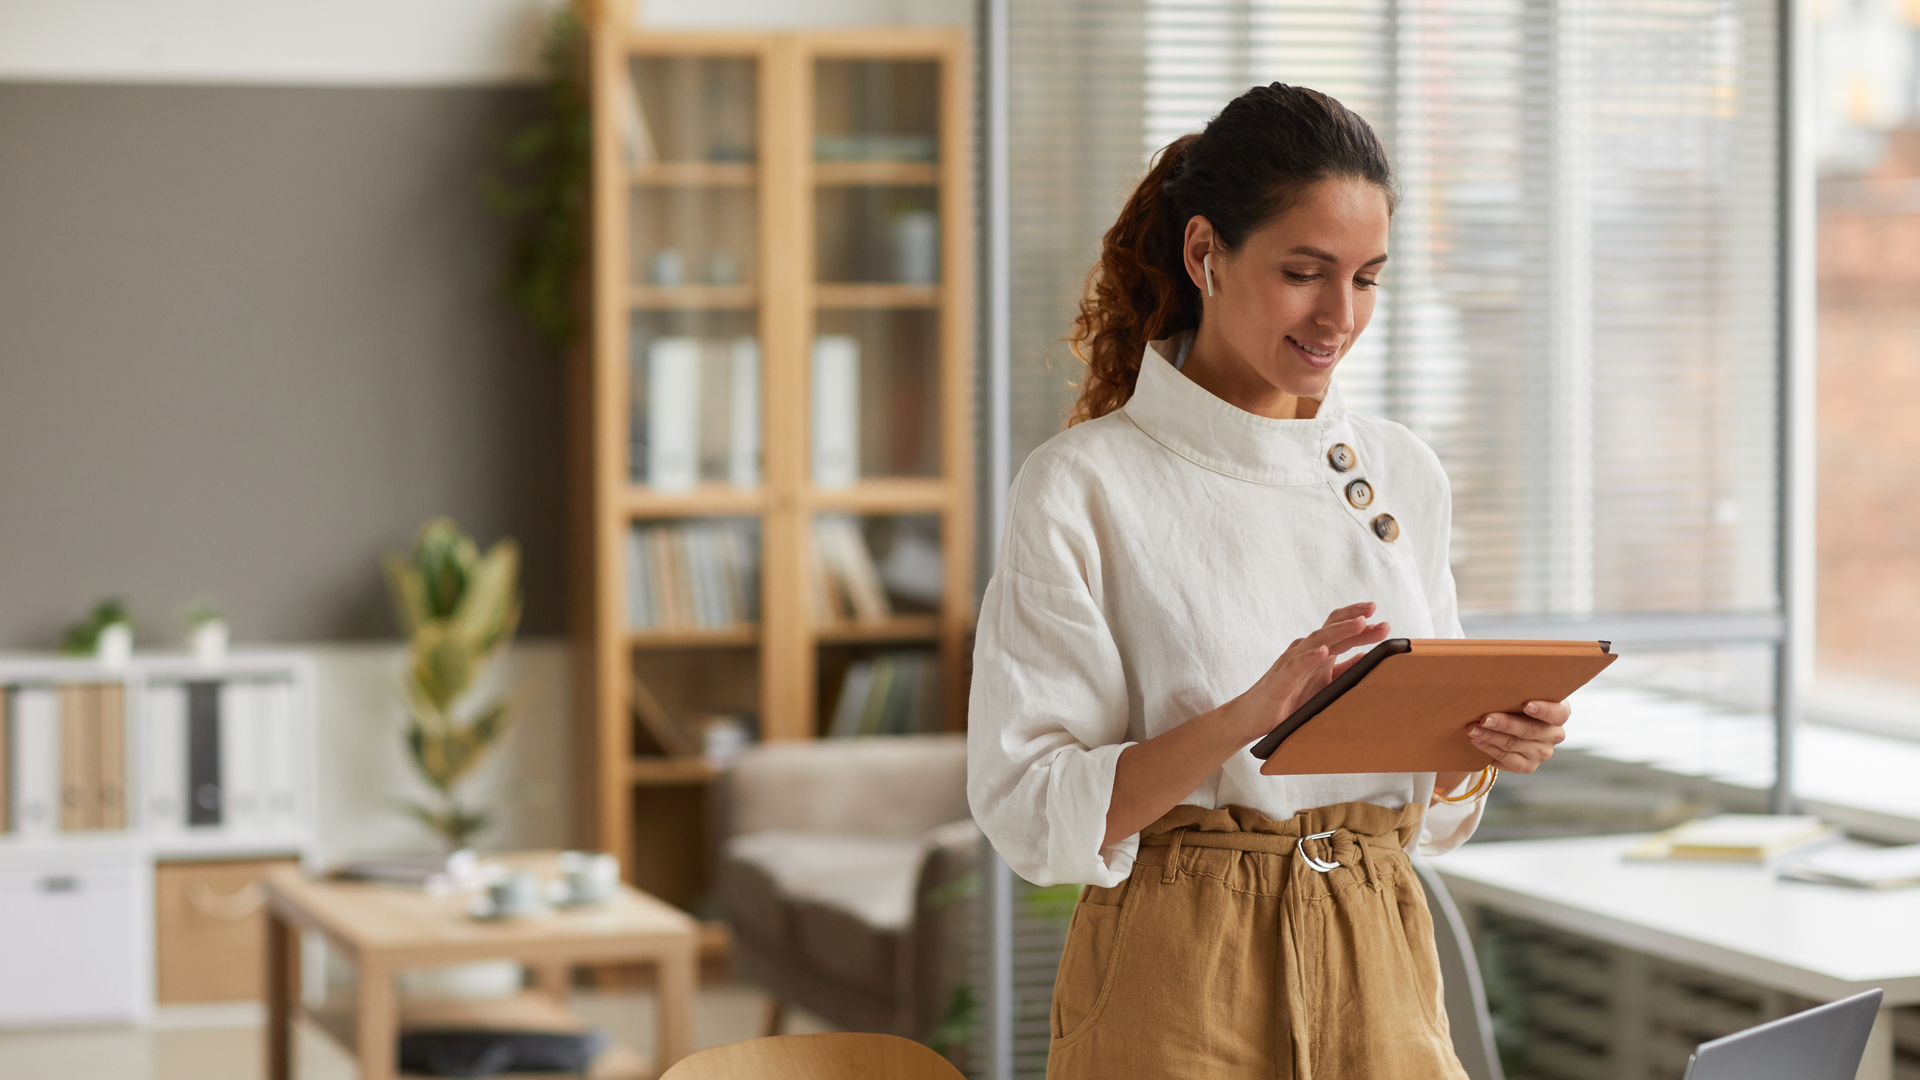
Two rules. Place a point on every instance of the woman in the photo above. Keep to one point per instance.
(1210, 500)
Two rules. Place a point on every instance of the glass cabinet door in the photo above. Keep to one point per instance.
(877, 257)
(693, 219)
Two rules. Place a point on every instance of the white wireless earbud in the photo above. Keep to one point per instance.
(1206, 266)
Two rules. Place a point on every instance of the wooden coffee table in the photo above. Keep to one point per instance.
(384, 929)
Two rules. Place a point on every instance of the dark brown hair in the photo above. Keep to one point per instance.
(1253, 162)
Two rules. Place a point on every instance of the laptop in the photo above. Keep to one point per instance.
(1820, 1044)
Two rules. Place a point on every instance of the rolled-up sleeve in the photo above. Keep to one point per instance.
(1046, 724)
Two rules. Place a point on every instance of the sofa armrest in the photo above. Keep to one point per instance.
(946, 922)
(895, 787)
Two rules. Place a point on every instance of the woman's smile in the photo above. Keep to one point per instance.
(1318, 355)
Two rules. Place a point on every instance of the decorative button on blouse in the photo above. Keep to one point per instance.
(1342, 457)
(1360, 494)
(1386, 528)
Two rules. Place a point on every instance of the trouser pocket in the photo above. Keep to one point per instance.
(1087, 963)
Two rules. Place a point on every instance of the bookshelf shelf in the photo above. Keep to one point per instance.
(698, 297)
(847, 297)
(695, 638)
(705, 172)
(899, 628)
(877, 173)
(707, 500)
(693, 174)
(666, 771)
(884, 496)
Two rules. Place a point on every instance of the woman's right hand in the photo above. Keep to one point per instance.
(1152, 777)
(1305, 669)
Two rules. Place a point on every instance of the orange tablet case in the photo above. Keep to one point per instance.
(1409, 712)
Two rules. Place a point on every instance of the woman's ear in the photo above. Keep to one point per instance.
(1196, 247)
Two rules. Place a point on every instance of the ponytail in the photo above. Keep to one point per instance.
(1138, 291)
(1253, 162)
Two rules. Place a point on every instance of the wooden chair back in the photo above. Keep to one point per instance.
(831, 1056)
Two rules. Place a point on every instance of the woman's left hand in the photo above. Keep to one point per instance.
(1519, 743)
(1516, 743)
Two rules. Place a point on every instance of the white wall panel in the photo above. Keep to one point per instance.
(356, 42)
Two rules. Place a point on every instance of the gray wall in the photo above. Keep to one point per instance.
(250, 338)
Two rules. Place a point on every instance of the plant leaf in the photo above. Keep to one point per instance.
(408, 591)
(490, 611)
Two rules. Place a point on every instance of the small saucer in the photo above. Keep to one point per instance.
(481, 909)
(561, 897)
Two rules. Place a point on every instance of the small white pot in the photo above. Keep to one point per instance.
(114, 646)
(208, 642)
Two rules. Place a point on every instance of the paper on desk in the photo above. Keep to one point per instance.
(1736, 838)
(1868, 868)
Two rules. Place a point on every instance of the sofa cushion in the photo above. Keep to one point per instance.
(897, 787)
(838, 903)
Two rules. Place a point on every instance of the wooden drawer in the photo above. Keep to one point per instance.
(210, 930)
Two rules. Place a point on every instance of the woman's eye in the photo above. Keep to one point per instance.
(1301, 278)
(1366, 283)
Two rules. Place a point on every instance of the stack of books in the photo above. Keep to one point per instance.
(846, 582)
(693, 575)
(894, 693)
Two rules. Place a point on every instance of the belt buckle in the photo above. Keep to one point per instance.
(1300, 846)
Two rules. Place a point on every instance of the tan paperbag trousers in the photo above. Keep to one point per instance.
(1242, 946)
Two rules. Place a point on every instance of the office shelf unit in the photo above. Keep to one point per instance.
(763, 201)
(137, 801)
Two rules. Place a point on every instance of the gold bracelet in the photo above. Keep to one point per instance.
(1480, 787)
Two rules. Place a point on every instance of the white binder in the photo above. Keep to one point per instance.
(242, 799)
(164, 737)
(743, 457)
(280, 794)
(673, 413)
(836, 411)
(36, 764)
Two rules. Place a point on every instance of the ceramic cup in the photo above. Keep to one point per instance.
(514, 895)
(591, 877)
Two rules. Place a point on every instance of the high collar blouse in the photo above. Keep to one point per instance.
(1156, 562)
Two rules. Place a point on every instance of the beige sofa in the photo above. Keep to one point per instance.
(844, 868)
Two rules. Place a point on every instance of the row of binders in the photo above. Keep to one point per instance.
(895, 693)
(215, 755)
(63, 758)
(222, 755)
(698, 574)
(700, 419)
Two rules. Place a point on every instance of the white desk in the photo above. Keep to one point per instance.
(1816, 941)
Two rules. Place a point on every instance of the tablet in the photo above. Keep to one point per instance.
(1406, 705)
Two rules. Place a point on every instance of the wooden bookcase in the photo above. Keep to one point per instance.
(775, 187)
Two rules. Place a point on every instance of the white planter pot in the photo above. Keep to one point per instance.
(477, 981)
(209, 641)
(114, 647)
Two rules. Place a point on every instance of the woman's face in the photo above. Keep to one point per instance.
(1294, 298)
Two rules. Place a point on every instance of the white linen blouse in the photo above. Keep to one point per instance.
(1156, 562)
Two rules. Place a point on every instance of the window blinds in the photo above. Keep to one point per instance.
(1581, 312)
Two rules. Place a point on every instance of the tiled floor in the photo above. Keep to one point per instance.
(726, 1013)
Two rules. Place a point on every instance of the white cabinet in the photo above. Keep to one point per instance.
(74, 945)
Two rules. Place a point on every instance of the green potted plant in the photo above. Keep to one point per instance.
(106, 634)
(459, 608)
